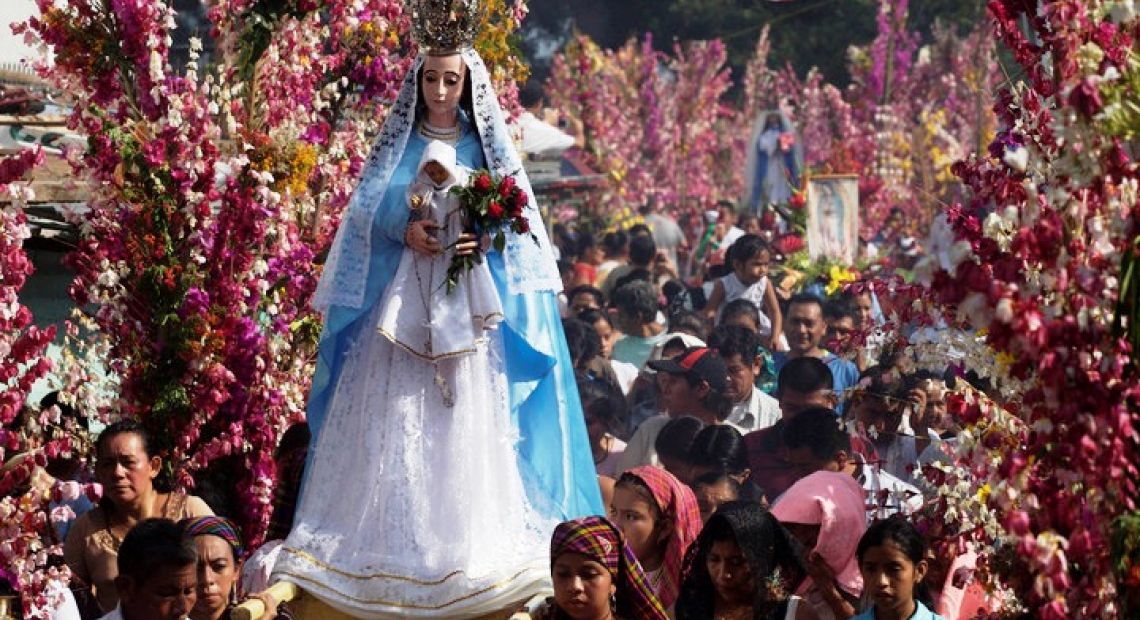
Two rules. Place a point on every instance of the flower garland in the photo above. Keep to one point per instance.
(25, 537)
(1027, 295)
(213, 195)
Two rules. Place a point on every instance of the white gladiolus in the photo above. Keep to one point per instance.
(1016, 158)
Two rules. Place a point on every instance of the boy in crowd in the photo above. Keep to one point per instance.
(842, 325)
(693, 383)
(158, 573)
(583, 298)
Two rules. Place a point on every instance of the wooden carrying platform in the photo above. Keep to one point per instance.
(309, 608)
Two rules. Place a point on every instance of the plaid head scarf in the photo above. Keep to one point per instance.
(215, 526)
(677, 502)
(601, 541)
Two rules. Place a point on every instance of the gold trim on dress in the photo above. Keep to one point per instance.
(332, 569)
(428, 358)
(494, 586)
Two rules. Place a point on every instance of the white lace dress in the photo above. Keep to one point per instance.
(414, 506)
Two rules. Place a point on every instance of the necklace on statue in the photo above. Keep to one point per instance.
(443, 134)
(440, 382)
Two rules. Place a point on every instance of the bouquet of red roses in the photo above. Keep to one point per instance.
(492, 206)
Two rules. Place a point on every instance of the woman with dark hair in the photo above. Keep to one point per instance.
(673, 444)
(220, 555)
(615, 245)
(719, 448)
(127, 465)
(596, 576)
(605, 412)
(743, 565)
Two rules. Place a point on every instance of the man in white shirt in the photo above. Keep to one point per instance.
(538, 128)
(158, 573)
(752, 409)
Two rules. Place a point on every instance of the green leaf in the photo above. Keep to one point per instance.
(500, 241)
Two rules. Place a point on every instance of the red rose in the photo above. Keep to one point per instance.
(521, 198)
(524, 225)
(506, 186)
(495, 210)
(482, 183)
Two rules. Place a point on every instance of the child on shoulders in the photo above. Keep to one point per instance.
(749, 259)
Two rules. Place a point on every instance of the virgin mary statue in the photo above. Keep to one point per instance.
(434, 482)
(775, 160)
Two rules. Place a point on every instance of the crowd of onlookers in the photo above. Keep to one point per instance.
(759, 455)
(759, 451)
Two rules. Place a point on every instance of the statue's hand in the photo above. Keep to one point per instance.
(420, 236)
(466, 244)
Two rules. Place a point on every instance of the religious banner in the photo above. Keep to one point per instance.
(833, 217)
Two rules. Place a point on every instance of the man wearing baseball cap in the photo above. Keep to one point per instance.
(697, 385)
(694, 383)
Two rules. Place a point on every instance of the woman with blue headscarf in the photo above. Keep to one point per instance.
(433, 482)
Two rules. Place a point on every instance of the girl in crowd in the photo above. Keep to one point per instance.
(749, 258)
(718, 448)
(596, 576)
(673, 443)
(605, 411)
(825, 512)
(585, 348)
(892, 560)
(743, 565)
(127, 465)
(219, 569)
(600, 320)
(658, 516)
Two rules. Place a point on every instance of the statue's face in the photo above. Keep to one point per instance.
(773, 122)
(442, 83)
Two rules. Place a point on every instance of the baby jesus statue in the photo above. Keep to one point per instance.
(418, 314)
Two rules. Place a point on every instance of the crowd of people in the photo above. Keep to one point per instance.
(771, 433)
(757, 458)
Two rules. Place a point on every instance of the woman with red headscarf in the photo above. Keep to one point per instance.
(659, 517)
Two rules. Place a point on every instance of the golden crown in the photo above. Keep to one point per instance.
(445, 26)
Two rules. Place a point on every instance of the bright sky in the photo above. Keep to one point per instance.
(12, 48)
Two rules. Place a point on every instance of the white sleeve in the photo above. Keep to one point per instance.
(539, 138)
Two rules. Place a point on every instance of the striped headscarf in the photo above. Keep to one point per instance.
(601, 541)
(215, 526)
(678, 504)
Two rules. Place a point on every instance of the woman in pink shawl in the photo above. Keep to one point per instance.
(825, 511)
(659, 517)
